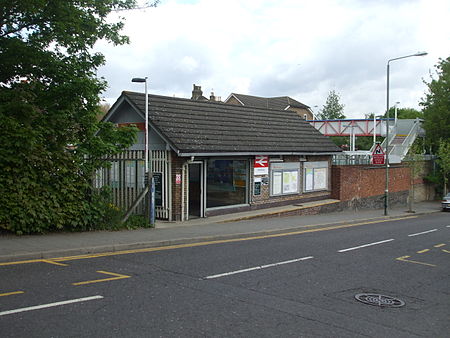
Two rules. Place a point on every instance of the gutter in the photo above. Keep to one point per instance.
(253, 153)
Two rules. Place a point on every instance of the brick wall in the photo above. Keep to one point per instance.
(177, 169)
(362, 181)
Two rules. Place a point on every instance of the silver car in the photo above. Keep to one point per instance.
(446, 202)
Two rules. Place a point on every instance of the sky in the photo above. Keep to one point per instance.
(297, 48)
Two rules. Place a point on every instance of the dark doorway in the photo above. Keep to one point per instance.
(195, 190)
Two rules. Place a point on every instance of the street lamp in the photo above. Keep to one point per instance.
(386, 191)
(144, 80)
(149, 177)
(375, 117)
(395, 112)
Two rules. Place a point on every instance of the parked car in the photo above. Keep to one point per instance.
(446, 202)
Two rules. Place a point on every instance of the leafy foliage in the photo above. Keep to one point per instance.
(436, 105)
(405, 113)
(443, 160)
(51, 142)
(333, 109)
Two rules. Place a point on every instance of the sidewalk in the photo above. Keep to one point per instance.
(250, 223)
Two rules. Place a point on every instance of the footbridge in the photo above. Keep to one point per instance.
(402, 133)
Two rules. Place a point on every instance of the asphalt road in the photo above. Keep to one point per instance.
(293, 284)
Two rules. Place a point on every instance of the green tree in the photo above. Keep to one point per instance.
(51, 141)
(405, 113)
(436, 105)
(333, 109)
(443, 161)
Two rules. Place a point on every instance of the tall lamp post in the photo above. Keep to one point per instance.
(144, 80)
(386, 191)
(146, 151)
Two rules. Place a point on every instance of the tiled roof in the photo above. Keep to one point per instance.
(279, 103)
(209, 127)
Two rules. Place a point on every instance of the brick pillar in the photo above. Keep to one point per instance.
(177, 169)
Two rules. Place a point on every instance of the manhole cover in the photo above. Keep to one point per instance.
(379, 300)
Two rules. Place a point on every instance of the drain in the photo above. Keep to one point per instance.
(379, 300)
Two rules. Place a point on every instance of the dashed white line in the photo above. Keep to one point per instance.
(258, 267)
(422, 233)
(43, 306)
(366, 245)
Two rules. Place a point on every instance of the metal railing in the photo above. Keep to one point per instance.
(344, 159)
(399, 151)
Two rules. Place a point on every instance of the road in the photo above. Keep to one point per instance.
(300, 283)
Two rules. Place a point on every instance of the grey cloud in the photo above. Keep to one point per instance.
(171, 67)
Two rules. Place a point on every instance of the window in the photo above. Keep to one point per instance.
(226, 183)
(315, 176)
(285, 178)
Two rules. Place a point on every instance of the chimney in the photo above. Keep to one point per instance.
(212, 97)
(196, 92)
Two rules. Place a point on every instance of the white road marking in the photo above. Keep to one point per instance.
(422, 233)
(366, 245)
(258, 267)
(43, 306)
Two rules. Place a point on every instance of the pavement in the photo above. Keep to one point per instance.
(244, 224)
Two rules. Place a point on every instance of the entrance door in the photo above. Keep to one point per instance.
(195, 190)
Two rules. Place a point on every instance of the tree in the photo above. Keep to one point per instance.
(443, 161)
(333, 109)
(51, 142)
(436, 105)
(405, 113)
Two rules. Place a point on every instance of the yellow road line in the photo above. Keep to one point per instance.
(446, 251)
(439, 245)
(52, 262)
(11, 293)
(22, 262)
(191, 245)
(403, 259)
(117, 277)
(422, 251)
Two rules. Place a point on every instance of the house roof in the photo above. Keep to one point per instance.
(278, 103)
(196, 127)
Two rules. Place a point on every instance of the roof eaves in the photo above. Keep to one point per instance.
(253, 153)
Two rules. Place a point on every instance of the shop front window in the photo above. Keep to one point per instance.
(226, 183)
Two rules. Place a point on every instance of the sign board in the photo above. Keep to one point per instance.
(257, 186)
(158, 178)
(261, 165)
(378, 155)
(178, 179)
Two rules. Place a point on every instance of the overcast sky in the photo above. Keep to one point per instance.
(297, 48)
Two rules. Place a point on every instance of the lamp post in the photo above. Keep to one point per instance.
(395, 112)
(375, 117)
(386, 191)
(144, 80)
(150, 179)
